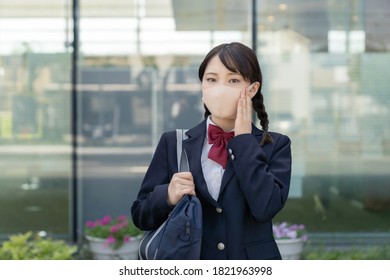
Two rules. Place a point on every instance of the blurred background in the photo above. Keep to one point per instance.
(88, 86)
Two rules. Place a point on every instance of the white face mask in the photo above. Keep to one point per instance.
(222, 101)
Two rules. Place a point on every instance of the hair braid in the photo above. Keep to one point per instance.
(258, 106)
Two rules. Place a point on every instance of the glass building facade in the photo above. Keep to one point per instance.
(87, 87)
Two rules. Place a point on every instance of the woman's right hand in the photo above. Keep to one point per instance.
(182, 183)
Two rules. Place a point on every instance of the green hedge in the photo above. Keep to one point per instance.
(371, 253)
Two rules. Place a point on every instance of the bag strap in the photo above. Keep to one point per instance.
(182, 159)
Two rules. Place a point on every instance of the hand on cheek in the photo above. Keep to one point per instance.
(243, 123)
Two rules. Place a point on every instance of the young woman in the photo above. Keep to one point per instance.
(241, 174)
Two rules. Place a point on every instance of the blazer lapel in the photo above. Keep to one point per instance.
(193, 146)
(227, 175)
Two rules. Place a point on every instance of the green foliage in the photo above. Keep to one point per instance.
(373, 253)
(29, 246)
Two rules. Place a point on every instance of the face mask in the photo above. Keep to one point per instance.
(222, 101)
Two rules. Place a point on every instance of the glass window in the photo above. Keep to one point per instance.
(35, 172)
(326, 70)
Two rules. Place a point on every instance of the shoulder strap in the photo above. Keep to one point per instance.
(182, 160)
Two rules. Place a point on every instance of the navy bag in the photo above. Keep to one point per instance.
(180, 236)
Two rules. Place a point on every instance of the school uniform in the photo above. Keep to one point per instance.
(237, 221)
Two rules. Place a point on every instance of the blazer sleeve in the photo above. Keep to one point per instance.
(263, 173)
(151, 208)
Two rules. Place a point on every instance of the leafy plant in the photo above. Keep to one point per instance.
(116, 231)
(29, 246)
(371, 253)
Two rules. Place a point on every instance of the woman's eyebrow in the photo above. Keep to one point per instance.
(216, 74)
(234, 74)
(210, 73)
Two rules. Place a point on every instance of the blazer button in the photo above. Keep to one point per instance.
(219, 210)
(221, 246)
(232, 157)
(230, 151)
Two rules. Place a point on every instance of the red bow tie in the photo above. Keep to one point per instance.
(219, 139)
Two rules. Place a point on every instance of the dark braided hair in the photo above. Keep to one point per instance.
(241, 59)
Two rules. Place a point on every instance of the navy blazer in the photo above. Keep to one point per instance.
(254, 189)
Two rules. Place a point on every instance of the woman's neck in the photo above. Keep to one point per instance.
(226, 124)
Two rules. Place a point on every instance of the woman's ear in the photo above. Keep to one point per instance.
(254, 88)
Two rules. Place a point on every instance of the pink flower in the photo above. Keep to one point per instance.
(90, 224)
(114, 229)
(123, 224)
(105, 221)
(110, 240)
(122, 218)
(292, 234)
(287, 231)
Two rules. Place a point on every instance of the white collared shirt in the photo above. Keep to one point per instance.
(212, 171)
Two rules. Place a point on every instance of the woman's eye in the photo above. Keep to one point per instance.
(210, 80)
(234, 81)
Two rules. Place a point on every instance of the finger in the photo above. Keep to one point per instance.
(182, 190)
(239, 108)
(244, 108)
(190, 191)
(193, 192)
(185, 183)
(248, 107)
(179, 189)
(242, 93)
(184, 175)
(181, 181)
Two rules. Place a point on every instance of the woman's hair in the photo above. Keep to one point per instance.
(241, 59)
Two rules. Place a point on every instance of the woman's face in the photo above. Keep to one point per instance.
(221, 89)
